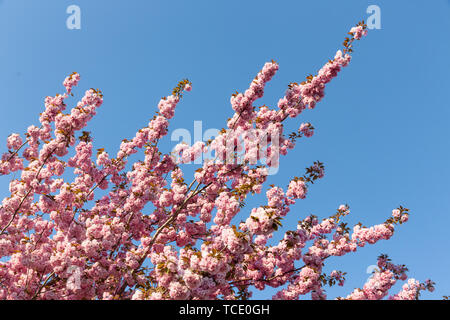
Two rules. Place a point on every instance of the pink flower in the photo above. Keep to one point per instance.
(297, 189)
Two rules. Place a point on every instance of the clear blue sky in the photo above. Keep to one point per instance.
(382, 129)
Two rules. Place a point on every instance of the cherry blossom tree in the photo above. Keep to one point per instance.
(152, 235)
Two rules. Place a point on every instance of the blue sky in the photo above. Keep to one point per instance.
(382, 129)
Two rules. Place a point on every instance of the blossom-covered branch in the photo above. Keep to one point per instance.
(152, 235)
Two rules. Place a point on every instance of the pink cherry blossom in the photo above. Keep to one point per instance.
(84, 223)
